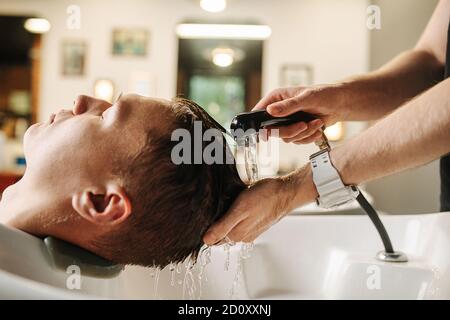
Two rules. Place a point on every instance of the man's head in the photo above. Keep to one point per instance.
(106, 181)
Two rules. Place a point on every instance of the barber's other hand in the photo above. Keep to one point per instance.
(260, 206)
(324, 101)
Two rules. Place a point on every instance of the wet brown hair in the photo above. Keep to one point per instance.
(173, 205)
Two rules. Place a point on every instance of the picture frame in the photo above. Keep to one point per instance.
(296, 75)
(130, 42)
(73, 57)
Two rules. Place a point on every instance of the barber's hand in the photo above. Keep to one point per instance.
(324, 101)
(257, 208)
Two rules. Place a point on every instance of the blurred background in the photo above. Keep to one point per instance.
(224, 54)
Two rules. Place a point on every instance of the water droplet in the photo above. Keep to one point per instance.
(155, 285)
(172, 274)
(226, 248)
(205, 259)
(188, 282)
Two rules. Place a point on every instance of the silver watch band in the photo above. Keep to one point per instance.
(332, 191)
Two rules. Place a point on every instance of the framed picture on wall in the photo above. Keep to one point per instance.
(296, 75)
(129, 42)
(73, 57)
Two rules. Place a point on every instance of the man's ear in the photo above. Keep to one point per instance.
(108, 206)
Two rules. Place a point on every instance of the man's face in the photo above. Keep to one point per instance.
(78, 147)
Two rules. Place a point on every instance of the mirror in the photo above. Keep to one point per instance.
(221, 75)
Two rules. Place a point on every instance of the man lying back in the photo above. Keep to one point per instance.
(100, 176)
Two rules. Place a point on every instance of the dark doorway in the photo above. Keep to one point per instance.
(19, 91)
(222, 91)
(19, 74)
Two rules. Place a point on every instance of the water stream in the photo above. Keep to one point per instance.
(251, 157)
(189, 288)
(244, 253)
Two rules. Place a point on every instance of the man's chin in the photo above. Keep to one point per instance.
(30, 137)
(33, 128)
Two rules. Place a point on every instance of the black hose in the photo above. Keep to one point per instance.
(376, 221)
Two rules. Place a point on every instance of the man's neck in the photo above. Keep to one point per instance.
(19, 206)
(31, 208)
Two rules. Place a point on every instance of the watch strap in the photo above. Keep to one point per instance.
(330, 187)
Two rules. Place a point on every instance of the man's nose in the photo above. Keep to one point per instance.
(93, 105)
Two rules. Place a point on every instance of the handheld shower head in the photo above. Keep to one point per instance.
(245, 131)
(246, 123)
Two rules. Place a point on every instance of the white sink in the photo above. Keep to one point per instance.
(302, 257)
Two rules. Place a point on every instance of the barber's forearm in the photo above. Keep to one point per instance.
(413, 135)
(371, 96)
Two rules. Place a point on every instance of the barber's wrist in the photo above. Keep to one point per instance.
(299, 188)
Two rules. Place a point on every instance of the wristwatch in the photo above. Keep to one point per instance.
(332, 190)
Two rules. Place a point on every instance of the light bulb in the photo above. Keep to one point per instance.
(335, 132)
(213, 5)
(37, 25)
(104, 89)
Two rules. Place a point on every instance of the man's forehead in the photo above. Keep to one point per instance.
(154, 112)
(145, 107)
(137, 100)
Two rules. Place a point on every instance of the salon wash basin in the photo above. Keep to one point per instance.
(302, 257)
